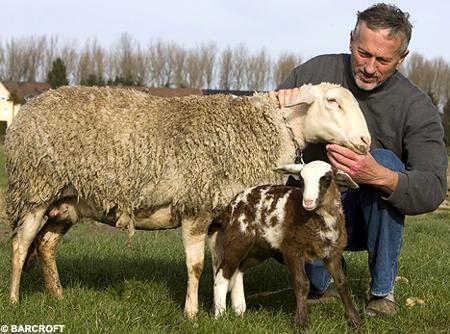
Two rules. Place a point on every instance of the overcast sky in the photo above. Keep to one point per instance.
(306, 28)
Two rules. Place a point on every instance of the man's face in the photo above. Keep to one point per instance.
(375, 56)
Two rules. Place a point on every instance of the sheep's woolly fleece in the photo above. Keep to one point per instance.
(125, 149)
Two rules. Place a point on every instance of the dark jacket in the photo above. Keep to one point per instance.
(401, 118)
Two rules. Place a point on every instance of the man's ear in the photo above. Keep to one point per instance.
(402, 58)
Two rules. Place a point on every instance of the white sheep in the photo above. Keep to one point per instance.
(133, 160)
(300, 224)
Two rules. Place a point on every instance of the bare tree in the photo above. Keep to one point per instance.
(126, 60)
(160, 60)
(240, 55)
(194, 69)
(13, 56)
(441, 80)
(284, 65)
(91, 64)
(257, 71)
(432, 76)
(2, 61)
(70, 56)
(208, 57)
(51, 53)
(179, 55)
(225, 68)
(419, 71)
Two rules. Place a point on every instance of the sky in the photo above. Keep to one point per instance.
(303, 27)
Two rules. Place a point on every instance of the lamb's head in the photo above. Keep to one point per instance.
(321, 183)
(329, 113)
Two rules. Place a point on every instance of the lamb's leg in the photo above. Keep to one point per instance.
(334, 266)
(194, 232)
(221, 284)
(25, 234)
(47, 241)
(215, 241)
(230, 276)
(300, 284)
(237, 293)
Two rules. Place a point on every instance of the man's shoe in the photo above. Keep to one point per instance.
(381, 307)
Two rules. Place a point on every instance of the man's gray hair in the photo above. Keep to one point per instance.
(386, 16)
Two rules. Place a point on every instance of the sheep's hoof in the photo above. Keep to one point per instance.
(191, 315)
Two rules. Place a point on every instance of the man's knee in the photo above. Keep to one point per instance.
(387, 159)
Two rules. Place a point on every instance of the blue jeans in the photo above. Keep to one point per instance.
(373, 225)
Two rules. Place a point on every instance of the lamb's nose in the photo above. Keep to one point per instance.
(308, 204)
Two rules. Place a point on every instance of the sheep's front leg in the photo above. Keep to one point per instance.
(334, 266)
(47, 241)
(25, 234)
(300, 284)
(194, 232)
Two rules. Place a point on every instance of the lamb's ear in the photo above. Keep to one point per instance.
(291, 169)
(308, 94)
(343, 180)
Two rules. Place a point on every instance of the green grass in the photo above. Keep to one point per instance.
(110, 288)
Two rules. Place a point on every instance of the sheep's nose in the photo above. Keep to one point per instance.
(366, 140)
(362, 144)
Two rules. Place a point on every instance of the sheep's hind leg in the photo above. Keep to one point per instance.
(194, 232)
(24, 235)
(334, 266)
(47, 241)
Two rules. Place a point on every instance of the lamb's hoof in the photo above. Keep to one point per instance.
(301, 321)
(354, 321)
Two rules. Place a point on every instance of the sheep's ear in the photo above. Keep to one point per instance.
(344, 181)
(308, 94)
(291, 169)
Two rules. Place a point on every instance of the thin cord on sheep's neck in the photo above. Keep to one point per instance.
(298, 150)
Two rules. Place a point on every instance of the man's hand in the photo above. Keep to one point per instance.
(362, 168)
(284, 96)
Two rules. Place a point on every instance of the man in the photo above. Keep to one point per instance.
(405, 171)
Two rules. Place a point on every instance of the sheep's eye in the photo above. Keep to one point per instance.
(333, 102)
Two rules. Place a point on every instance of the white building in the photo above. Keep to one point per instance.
(23, 90)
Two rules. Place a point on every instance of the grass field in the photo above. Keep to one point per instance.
(110, 288)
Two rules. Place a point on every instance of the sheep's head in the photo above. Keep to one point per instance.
(332, 116)
(319, 181)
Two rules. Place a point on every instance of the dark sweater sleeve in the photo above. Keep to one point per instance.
(423, 186)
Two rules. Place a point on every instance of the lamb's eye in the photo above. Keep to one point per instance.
(325, 180)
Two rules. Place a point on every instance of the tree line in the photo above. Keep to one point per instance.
(169, 64)
(158, 64)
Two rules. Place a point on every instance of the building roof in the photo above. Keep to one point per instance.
(26, 90)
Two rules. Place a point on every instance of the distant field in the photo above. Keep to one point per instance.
(110, 288)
